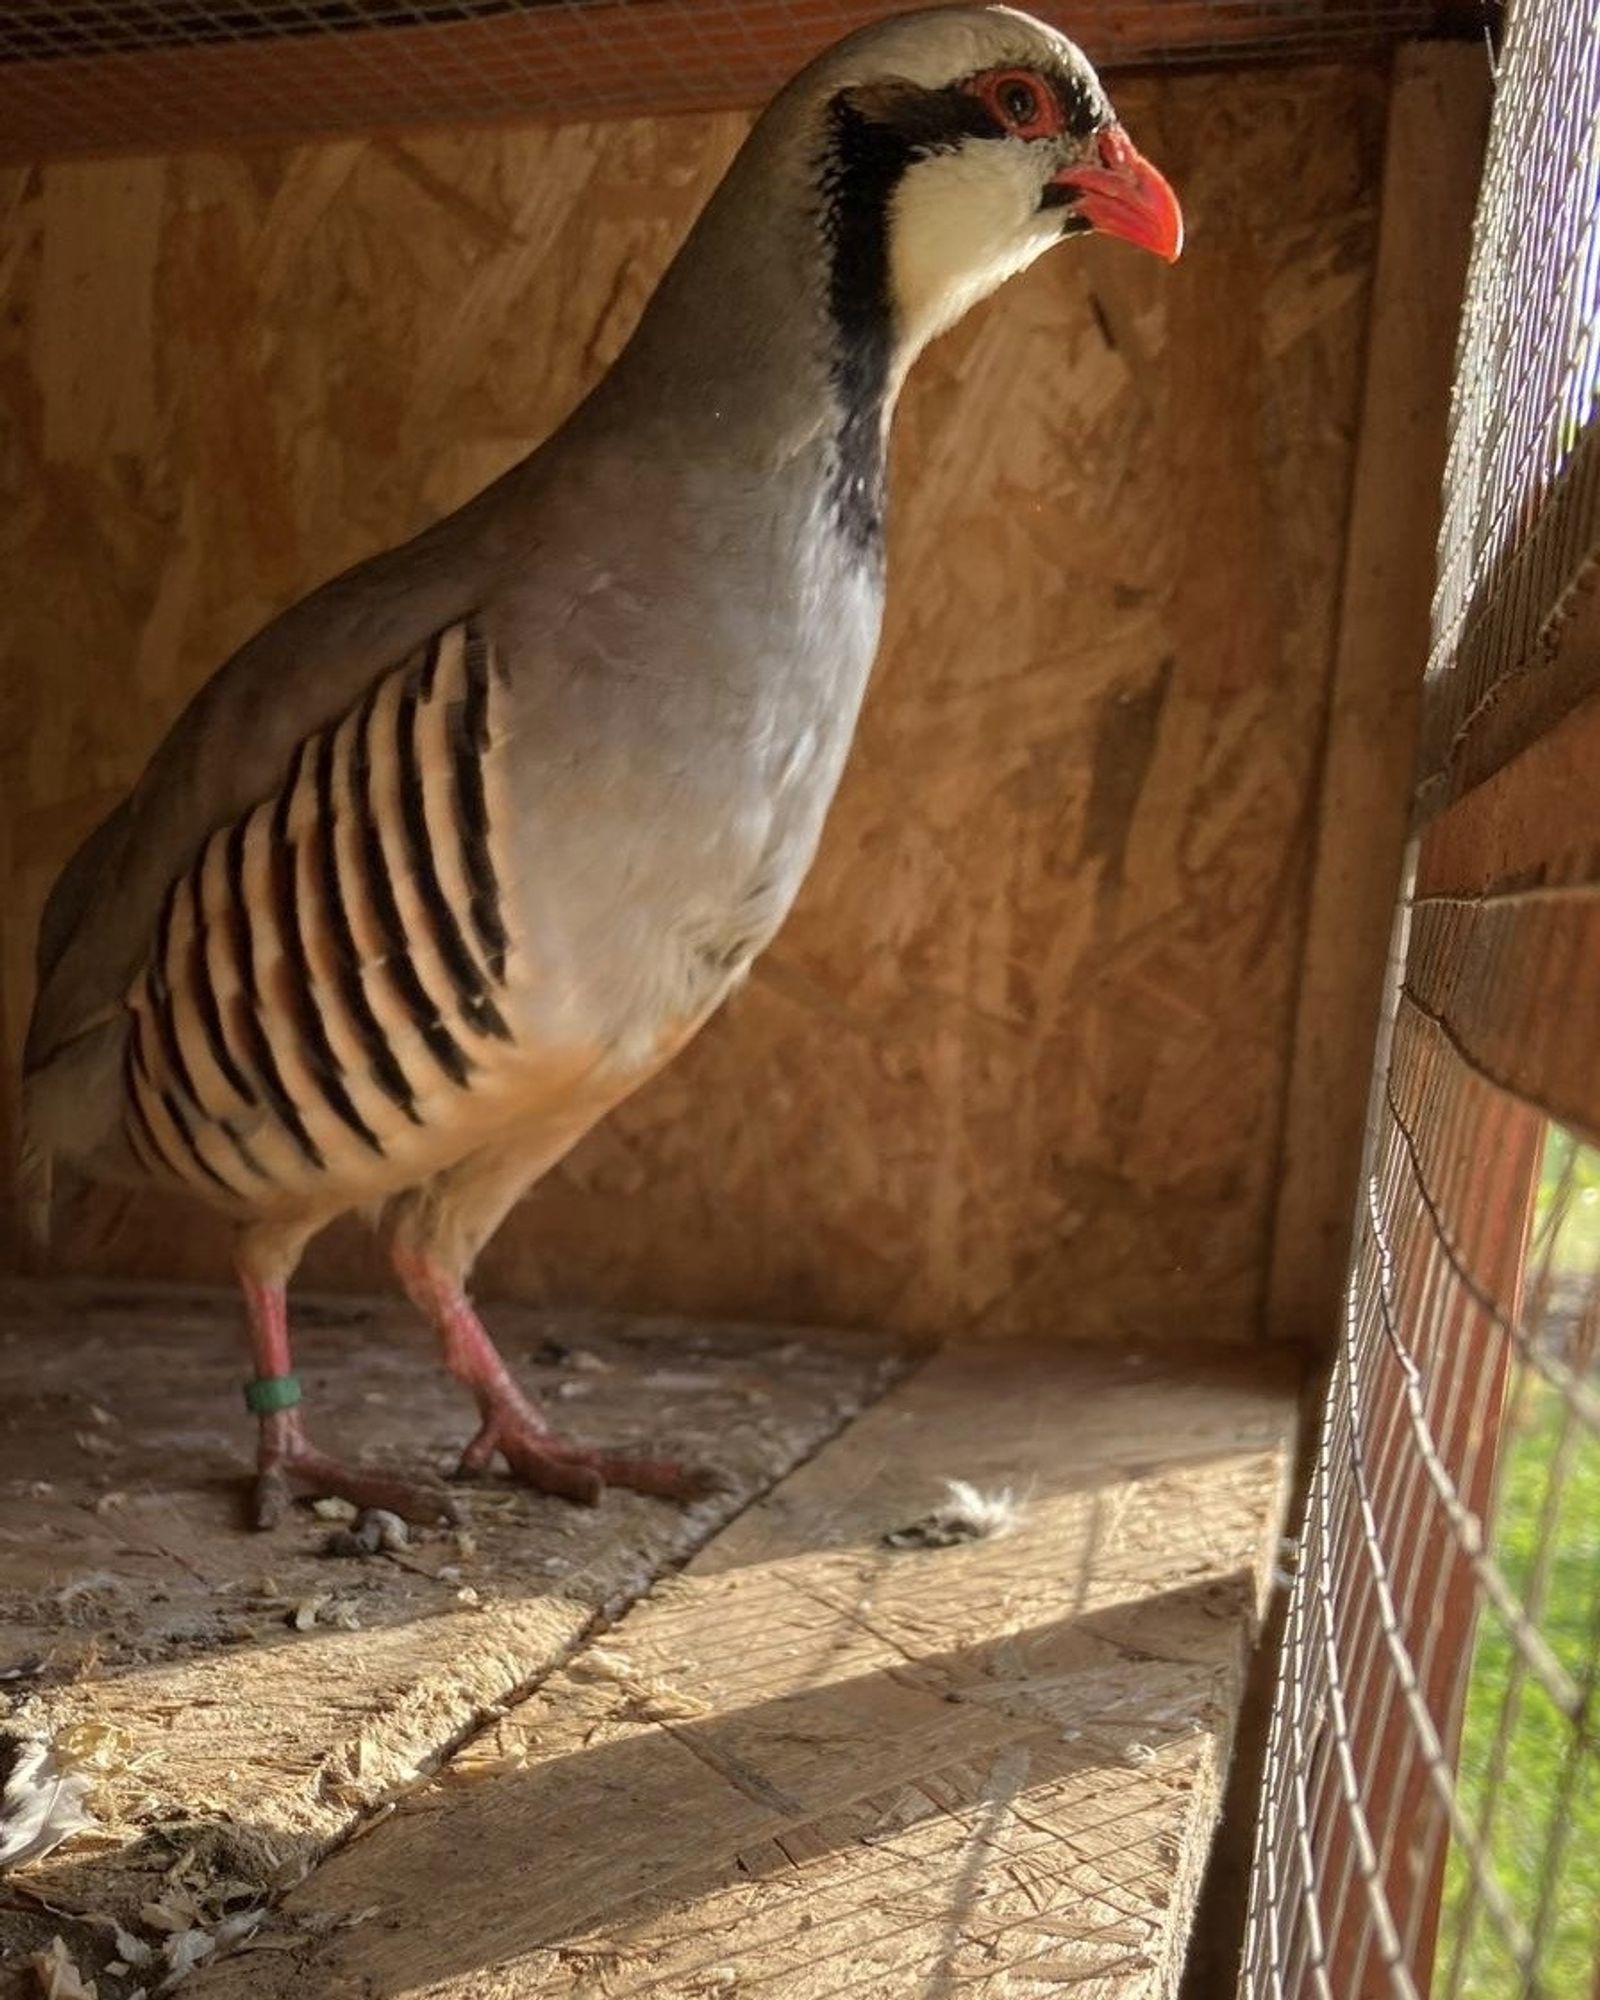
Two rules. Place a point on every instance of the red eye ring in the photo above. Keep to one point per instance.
(1022, 103)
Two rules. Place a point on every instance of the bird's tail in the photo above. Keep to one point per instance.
(70, 1129)
(33, 1190)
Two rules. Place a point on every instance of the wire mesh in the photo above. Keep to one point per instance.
(97, 75)
(1430, 1812)
(1522, 488)
(1431, 1819)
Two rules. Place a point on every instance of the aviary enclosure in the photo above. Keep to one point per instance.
(1170, 1104)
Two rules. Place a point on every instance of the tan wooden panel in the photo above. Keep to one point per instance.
(1438, 122)
(142, 1616)
(816, 1765)
(1025, 1040)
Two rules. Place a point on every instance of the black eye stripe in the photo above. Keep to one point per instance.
(1083, 109)
(926, 121)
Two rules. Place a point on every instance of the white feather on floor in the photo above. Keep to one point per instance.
(966, 1515)
(41, 1801)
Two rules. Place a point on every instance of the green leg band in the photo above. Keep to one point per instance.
(268, 1393)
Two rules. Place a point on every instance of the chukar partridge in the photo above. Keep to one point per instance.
(465, 845)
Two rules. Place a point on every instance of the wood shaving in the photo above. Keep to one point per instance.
(98, 1583)
(473, 1770)
(376, 1532)
(648, 1696)
(235, 1929)
(174, 1913)
(57, 1976)
(133, 1951)
(94, 1746)
(319, 1923)
(183, 1951)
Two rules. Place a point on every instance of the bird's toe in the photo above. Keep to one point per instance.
(312, 1475)
(661, 1478)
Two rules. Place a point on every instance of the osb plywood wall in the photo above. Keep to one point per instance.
(1019, 1058)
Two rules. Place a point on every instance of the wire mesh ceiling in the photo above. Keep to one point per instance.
(145, 75)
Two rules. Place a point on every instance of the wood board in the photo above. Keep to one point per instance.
(1027, 1036)
(141, 1624)
(817, 1765)
(1438, 125)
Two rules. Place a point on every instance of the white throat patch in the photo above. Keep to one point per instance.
(961, 223)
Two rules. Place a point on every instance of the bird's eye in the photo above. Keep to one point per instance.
(1019, 103)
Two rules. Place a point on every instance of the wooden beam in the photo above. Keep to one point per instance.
(1437, 127)
(1505, 928)
(820, 1765)
(1531, 651)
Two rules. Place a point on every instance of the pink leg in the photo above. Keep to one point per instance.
(512, 1423)
(287, 1462)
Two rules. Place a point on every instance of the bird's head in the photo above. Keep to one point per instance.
(956, 146)
(901, 177)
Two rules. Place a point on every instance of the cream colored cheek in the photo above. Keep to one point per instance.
(961, 225)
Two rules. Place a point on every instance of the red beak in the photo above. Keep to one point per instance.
(1125, 196)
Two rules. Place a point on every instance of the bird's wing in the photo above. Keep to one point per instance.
(228, 750)
(321, 1013)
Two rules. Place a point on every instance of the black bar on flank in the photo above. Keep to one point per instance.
(383, 1065)
(261, 1058)
(472, 994)
(468, 726)
(317, 1049)
(205, 996)
(446, 1050)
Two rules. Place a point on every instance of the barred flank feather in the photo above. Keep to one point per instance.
(326, 977)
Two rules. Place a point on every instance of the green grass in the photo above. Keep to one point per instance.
(1548, 1498)
(1568, 1206)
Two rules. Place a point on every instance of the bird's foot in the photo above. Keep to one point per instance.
(549, 1464)
(290, 1466)
(512, 1425)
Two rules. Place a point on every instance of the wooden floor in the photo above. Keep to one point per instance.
(749, 1747)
